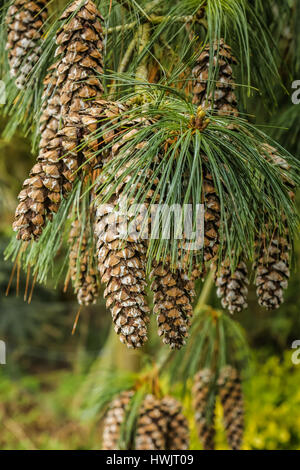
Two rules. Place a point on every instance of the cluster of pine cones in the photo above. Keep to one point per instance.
(228, 385)
(73, 109)
(160, 424)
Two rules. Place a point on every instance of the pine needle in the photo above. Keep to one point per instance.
(76, 321)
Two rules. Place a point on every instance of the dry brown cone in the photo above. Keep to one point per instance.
(172, 300)
(40, 195)
(212, 217)
(51, 107)
(177, 437)
(272, 270)
(49, 180)
(223, 98)
(114, 419)
(83, 271)
(60, 161)
(80, 46)
(232, 287)
(204, 417)
(231, 396)
(25, 27)
(224, 102)
(151, 425)
(122, 258)
(272, 263)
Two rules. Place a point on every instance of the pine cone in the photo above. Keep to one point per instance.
(204, 415)
(102, 115)
(25, 27)
(223, 98)
(122, 257)
(122, 269)
(272, 270)
(114, 419)
(177, 437)
(272, 261)
(232, 401)
(80, 45)
(212, 217)
(30, 213)
(232, 287)
(50, 178)
(173, 294)
(82, 270)
(51, 108)
(151, 426)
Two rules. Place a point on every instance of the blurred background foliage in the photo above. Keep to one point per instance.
(47, 365)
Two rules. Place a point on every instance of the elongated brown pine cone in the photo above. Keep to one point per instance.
(232, 287)
(204, 415)
(122, 258)
(50, 179)
(83, 271)
(151, 426)
(122, 269)
(177, 437)
(272, 270)
(231, 396)
(272, 262)
(25, 27)
(173, 295)
(222, 98)
(80, 45)
(60, 159)
(212, 217)
(114, 419)
(51, 107)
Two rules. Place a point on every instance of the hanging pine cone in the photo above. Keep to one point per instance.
(151, 426)
(272, 261)
(230, 391)
(25, 27)
(232, 287)
(222, 98)
(212, 217)
(173, 294)
(51, 108)
(272, 270)
(122, 256)
(82, 270)
(30, 213)
(80, 45)
(204, 410)
(114, 419)
(122, 269)
(177, 437)
(49, 179)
